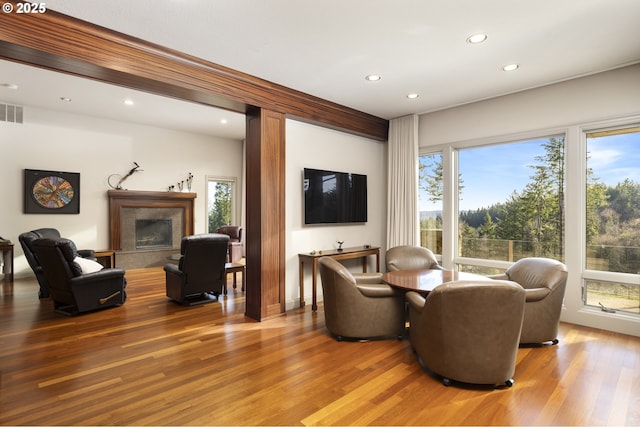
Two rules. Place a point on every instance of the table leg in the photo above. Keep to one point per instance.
(314, 304)
(301, 273)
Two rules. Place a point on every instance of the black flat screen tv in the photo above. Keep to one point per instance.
(334, 197)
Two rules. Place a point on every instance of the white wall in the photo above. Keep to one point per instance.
(603, 99)
(594, 98)
(315, 147)
(97, 148)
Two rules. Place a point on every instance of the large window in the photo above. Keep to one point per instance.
(511, 202)
(430, 200)
(220, 202)
(613, 220)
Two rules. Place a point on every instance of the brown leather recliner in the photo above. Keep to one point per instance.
(409, 257)
(544, 281)
(26, 241)
(468, 331)
(235, 241)
(72, 291)
(359, 310)
(200, 274)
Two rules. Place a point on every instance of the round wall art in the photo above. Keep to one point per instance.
(51, 192)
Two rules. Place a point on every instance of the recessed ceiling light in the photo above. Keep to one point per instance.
(224, 121)
(65, 99)
(476, 38)
(128, 102)
(510, 67)
(9, 86)
(413, 96)
(373, 77)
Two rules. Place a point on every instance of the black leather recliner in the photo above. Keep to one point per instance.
(26, 241)
(72, 291)
(200, 274)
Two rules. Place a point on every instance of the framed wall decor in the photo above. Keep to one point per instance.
(51, 192)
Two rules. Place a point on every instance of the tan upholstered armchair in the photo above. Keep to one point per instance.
(468, 331)
(359, 310)
(409, 257)
(544, 281)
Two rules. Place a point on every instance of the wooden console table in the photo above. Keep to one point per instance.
(346, 253)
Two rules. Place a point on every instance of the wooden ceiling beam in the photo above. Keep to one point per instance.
(62, 43)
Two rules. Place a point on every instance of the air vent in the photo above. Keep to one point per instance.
(11, 113)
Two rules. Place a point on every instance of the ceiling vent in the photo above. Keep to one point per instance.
(11, 113)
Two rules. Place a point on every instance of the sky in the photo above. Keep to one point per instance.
(506, 168)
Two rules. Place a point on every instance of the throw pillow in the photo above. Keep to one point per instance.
(88, 265)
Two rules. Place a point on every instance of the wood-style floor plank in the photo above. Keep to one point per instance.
(153, 362)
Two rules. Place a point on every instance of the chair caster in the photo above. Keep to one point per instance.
(555, 341)
(510, 382)
(446, 382)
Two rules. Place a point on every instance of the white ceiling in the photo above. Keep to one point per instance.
(326, 48)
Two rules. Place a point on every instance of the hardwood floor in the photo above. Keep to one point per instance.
(153, 362)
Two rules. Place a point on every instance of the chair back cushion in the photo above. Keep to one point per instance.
(533, 273)
(56, 258)
(203, 262)
(409, 257)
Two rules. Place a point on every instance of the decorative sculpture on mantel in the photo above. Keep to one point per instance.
(118, 186)
(180, 184)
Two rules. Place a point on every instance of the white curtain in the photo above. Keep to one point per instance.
(402, 197)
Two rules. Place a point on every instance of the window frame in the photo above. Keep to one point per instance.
(599, 275)
(235, 219)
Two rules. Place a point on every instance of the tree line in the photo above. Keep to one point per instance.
(535, 215)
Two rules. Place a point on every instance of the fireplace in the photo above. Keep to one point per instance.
(146, 227)
(154, 233)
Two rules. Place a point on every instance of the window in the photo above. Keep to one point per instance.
(430, 200)
(220, 202)
(510, 203)
(613, 220)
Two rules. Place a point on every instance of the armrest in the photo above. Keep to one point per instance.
(368, 278)
(536, 294)
(502, 276)
(416, 301)
(87, 253)
(376, 291)
(173, 269)
(99, 276)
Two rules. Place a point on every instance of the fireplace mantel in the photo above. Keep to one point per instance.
(119, 199)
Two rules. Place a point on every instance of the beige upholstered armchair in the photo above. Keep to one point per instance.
(544, 281)
(409, 257)
(359, 310)
(468, 331)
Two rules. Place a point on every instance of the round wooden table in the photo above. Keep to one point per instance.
(425, 281)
